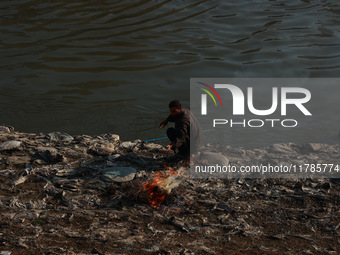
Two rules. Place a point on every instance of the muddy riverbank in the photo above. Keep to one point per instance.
(70, 195)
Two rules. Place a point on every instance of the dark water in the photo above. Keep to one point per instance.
(92, 67)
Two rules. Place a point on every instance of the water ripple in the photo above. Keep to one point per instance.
(91, 51)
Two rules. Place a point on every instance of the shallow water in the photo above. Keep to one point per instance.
(89, 67)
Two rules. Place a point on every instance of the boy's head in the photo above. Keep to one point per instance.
(175, 107)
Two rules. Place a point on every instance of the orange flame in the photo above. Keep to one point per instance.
(160, 186)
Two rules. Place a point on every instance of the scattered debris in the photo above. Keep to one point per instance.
(9, 145)
(127, 145)
(212, 157)
(119, 174)
(59, 137)
(93, 195)
(6, 129)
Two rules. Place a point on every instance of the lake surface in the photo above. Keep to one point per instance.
(94, 67)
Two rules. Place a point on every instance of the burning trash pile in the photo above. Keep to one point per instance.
(160, 186)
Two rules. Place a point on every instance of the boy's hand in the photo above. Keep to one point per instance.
(163, 124)
(168, 148)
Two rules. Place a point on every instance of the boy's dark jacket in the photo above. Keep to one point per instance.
(187, 129)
